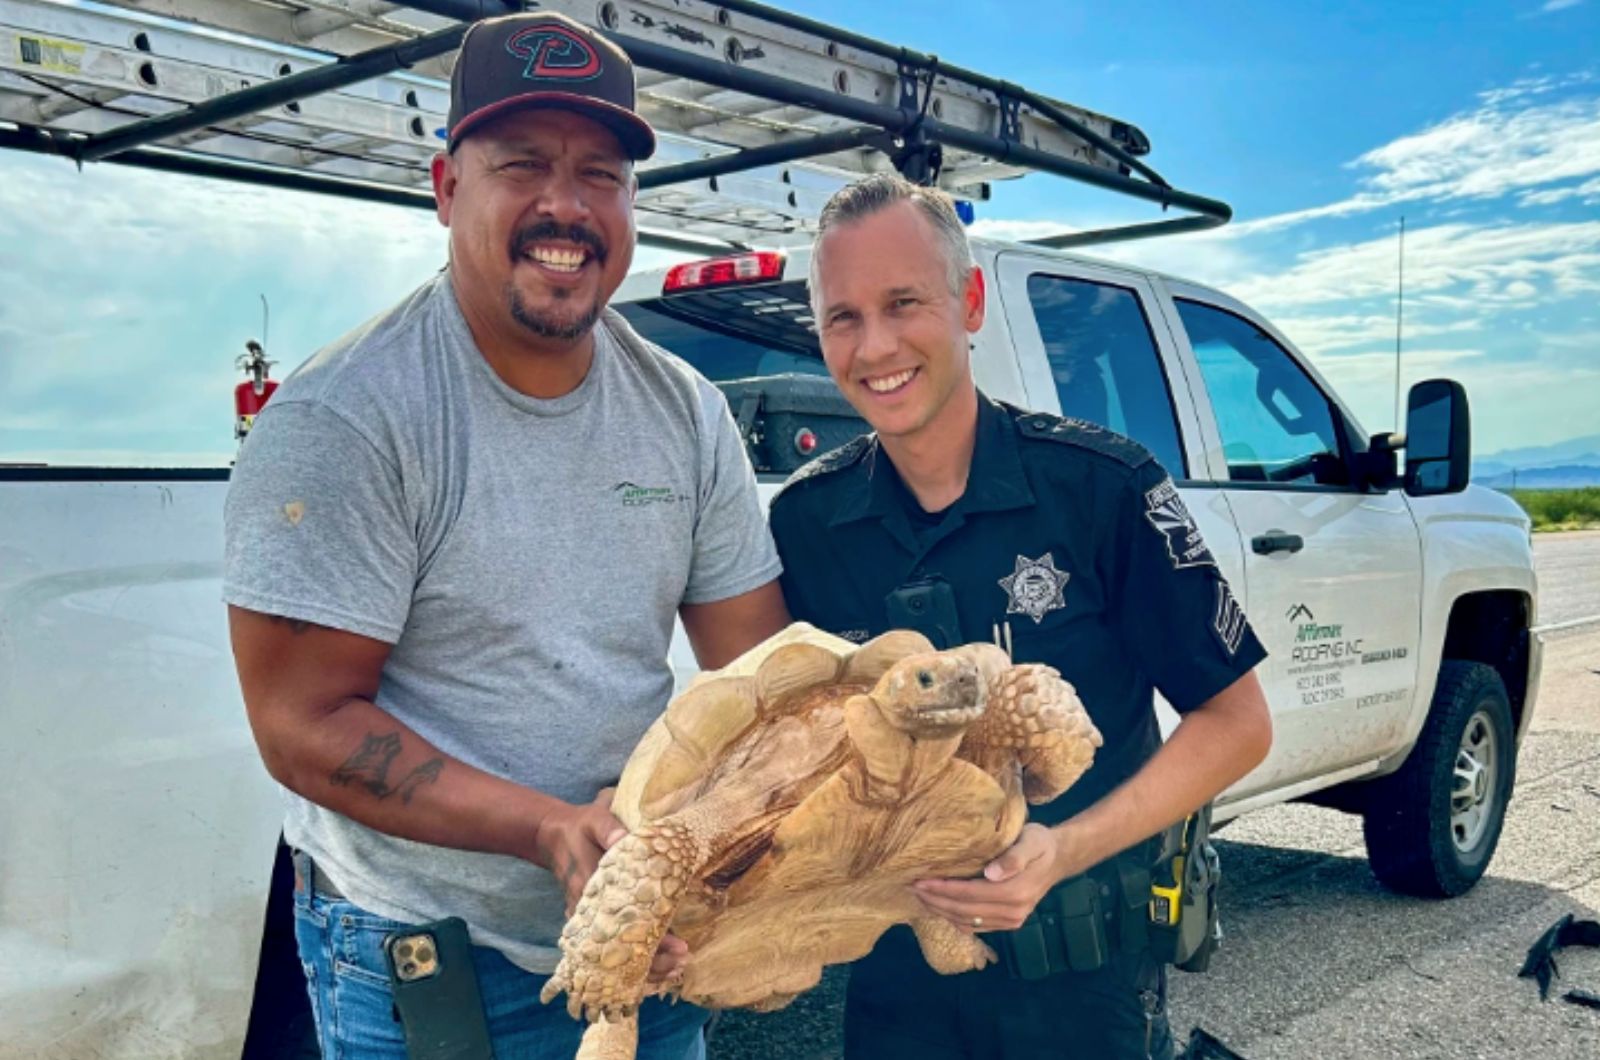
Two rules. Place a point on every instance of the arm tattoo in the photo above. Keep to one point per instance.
(369, 767)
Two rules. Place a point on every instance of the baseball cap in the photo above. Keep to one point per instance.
(543, 59)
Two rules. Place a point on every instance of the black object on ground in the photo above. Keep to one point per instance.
(1582, 997)
(1203, 1046)
(1541, 962)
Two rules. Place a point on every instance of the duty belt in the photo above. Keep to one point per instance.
(1083, 920)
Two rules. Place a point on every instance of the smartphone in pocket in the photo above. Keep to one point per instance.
(436, 994)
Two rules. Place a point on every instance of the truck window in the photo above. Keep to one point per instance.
(1276, 425)
(737, 333)
(1105, 363)
(757, 344)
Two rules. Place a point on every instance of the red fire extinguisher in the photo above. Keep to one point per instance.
(252, 395)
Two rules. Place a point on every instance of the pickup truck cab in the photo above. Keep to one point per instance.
(136, 832)
(1395, 607)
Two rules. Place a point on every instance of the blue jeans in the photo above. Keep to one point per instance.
(341, 953)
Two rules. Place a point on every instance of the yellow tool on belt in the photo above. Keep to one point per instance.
(1184, 930)
(1166, 893)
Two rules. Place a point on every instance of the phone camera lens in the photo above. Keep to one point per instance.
(425, 955)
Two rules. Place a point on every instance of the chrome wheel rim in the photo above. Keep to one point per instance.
(1473, 788)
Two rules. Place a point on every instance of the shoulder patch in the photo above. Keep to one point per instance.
(834, 460)
(1165, 510)
(1082, 434)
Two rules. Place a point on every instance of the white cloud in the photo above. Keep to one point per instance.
(1497, 266)
(1491, 151)
(1512, 142)
(1559, 5)
(1588, 191)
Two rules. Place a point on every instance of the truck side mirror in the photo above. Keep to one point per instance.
(1438, 438)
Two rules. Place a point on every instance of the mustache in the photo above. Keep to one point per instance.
(548, 230)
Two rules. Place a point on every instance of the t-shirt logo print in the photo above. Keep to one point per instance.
(1035, 587)
(636, 496)
(1168, 514)
(553, 52)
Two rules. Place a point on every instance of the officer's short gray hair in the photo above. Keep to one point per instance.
(880, 191)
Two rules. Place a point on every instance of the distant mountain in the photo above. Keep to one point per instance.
(1572, 451)
(1564, 476)
(1575, 462)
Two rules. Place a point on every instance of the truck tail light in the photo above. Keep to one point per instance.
(759, 266)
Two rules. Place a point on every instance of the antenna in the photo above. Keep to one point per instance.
(264, 321)
(1399, 318)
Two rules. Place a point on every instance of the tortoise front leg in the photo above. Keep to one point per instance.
(627, 906)
(1034, 715)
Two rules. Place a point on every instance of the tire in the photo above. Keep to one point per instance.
(1432, 827)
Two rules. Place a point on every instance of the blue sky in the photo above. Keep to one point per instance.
(125, 296)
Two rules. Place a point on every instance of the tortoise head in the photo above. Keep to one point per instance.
(932, 693)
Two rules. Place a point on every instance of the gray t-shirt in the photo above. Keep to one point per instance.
(525, 557)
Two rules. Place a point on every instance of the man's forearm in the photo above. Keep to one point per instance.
(359, 761)
(1211, 748)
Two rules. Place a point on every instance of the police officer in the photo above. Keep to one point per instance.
(970, 520)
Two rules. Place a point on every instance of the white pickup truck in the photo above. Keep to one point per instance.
(137, 825)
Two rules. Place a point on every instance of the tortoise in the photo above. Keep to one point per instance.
(779, 809)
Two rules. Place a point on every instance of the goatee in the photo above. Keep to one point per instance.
(558, 325)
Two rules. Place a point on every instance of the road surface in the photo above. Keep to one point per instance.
(1568, 566)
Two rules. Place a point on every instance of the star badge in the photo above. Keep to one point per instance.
(1035, 587)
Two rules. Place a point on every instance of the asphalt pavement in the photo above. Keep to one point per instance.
(1320, 961)
(1568, 566)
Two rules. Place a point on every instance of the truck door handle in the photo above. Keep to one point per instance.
(1276, 541)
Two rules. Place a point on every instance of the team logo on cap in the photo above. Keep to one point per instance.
(554, 52)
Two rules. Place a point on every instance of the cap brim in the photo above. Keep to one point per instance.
(634, 133)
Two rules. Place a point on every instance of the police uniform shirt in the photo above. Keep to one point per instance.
(1071, 534)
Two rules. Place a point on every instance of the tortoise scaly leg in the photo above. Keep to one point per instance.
(1036, 716)
(610, 939)
(949, 950)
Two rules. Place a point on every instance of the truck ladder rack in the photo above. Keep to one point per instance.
(761, 114)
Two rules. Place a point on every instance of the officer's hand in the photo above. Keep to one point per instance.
(1011, 885)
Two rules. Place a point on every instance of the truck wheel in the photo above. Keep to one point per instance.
(1432, 827)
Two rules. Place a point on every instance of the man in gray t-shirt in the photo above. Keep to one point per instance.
(457, 541)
